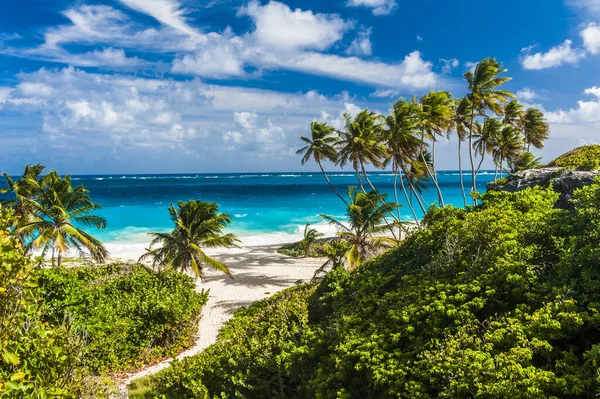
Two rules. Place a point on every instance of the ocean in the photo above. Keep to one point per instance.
(265, 207)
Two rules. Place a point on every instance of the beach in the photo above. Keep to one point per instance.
(258, 272)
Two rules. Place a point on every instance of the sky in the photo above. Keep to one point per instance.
(168, 86)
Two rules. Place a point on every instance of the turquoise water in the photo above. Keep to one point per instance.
(269, 207)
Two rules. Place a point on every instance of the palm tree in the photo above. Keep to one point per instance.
(23, 189)
(484, 93)
(513, 114)
(435, 113)
(362, 143)
(198, 225)
(321, 147)
(56, 209)
(535, 128)
(462, 111)
(309, 238)
(366, 218)
(402, 139)
(508, 145)
(524, 161)
(486, 137)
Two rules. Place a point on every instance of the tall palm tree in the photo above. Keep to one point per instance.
(362, 143)
(198, 225)
(435, 114)
(507, 146)
(366, 218)
(57, 209)
(462, 112)
(321, 147)
(309, 238)
(535, 128)
(486, 137)
(402, 139)
(484, 82)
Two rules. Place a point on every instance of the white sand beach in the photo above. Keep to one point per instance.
(258, 272)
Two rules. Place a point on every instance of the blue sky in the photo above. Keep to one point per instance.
(150, 86)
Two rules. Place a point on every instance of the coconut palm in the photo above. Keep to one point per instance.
(435, 115)
(366, 218)
(56, 210)
(508, 145)
(361, 143)
(513, 114)
(321, 147)
(198, 225)
(23, 190)
(403, 142)
(462, 112)
(309, 238)
(535, 128)
(524, 161)
(486, 137)
(484, 82)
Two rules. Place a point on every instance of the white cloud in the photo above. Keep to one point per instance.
(361, 45)
(385, 93)
(449, 65)
(5, 93)
(277, 26)
(591, 38)
(380, 7)
(245, 119)
(419, 38)
(36, 89)
(586, 112)
(587, 7)
(168, 12)
(526, 94)
(556, 56)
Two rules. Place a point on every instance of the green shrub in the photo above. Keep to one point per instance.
(128, 314)
(498, 301)
(586, 157)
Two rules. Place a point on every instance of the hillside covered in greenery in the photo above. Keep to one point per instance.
(586, 157)
(498, 301)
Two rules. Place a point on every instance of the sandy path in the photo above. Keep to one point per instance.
(258, 272)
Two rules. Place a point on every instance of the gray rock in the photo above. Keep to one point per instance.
(561, 181)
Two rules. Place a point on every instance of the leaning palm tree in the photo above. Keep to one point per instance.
(508, 146)
(512, 114)
(484, 93)
(462, 112)
(57, 210)
(321, 147)
(486, 137)
(362, 143)
(535, 128)
(198, 225)
(366, 220)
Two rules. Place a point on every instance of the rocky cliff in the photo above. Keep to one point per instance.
(562, 181)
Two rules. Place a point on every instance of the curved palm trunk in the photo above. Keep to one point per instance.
(471, 150)
(478, 169)
(59, 258)
(330, 184)
(437, 186)
(360, 183)
(408, 201)
(430, 174)
(362, 166)
(462, 185)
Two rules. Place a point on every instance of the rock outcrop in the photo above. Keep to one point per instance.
(562, 181)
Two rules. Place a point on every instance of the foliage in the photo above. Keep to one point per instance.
(247, 361)
(127, 314)
(310, 236)
(524, 161)
(198, 225)
(586, 157)
(37, 360)
(499, 300)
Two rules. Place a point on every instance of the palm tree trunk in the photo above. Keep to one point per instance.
(495, 170)
(330, 184)
(434, 174)
(429, 173)
(409, 201)
(360, 183)
(52, 257)
(462, 185)
(471, 150)
(59, 257)
(362, 166)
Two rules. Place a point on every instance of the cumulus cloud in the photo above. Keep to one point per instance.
(245, 119)
(586, 112)
(361, 45)
(449, 65)
(591, 38)
(526, 94)
(556, 56)
(587, 7)
(379, 7)
(168, 12)
(278, 26)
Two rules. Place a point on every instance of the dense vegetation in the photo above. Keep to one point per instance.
(501, 300)
(127, 314)
(586, 157)
(37, 359)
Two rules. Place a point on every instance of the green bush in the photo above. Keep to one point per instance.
(586, 157)
(128, 315)
(499, 301)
